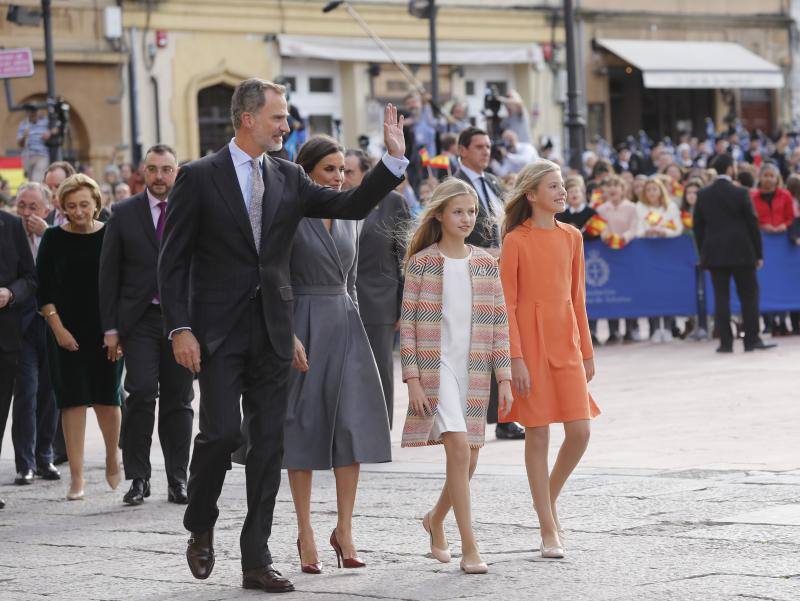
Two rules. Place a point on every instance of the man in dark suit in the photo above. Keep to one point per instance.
(17, 287)
(729, 243)
(34, 413)
(474, 151)
(226, 298)
(131, 316)
(379, 283)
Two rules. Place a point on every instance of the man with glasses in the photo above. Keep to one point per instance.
(131, 316)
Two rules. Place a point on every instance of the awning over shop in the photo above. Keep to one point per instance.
(414, 52)
(710, 65)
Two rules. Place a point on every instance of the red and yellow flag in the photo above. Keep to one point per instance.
(653, 218)
(595, 226)
(11, 170)
(426, 159)
(440, 161)
(597, 198)
(615, 241)
(687, 219)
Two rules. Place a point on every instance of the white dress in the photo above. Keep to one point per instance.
(456, 332)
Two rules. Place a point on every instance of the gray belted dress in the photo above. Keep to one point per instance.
(336, 414)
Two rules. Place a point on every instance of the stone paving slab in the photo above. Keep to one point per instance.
(672, 538)
(689, 491)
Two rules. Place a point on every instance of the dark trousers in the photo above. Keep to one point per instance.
(34, 413)
(151, 371)
(747, 287)
(655, 323)
(8, 372)
(381, 339)
(631, 326)
(244, 366)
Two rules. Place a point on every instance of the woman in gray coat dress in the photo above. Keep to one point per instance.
(336, 415)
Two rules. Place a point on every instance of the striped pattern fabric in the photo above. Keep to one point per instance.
(421, 335)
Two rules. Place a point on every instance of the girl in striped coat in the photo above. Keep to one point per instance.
(453, 332)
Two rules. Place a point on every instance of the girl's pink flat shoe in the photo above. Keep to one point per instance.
(443, 555)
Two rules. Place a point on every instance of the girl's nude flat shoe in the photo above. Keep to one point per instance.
(442, 555)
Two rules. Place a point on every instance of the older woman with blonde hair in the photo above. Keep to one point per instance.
(84, 374)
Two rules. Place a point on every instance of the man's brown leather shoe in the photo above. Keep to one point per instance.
(267, 579)
(200, 554)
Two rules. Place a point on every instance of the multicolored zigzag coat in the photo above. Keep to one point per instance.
(421, 335)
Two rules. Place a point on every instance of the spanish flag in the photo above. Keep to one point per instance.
(11, 170)
(654, 218)
(615, 241)
(440, 161)
(595, 226)
(597, 198)
(671, 225)
(686, 218)
(677, 190)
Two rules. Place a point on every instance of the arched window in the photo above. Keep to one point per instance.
(214, 116)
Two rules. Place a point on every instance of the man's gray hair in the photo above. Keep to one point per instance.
(249, 97)
(43, 190)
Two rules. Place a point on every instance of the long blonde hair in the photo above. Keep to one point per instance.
(518, 208)
(663, 195)
(429, 229)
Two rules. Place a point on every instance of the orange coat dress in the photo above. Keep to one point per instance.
(542, 272)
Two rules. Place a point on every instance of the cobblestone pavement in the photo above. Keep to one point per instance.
(689, 492)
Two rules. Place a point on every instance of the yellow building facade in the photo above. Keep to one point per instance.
(190, 54)
(90, 76)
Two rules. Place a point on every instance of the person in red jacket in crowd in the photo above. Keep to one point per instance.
(773, 203)
(775, 209)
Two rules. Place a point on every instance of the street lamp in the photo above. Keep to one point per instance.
(426, 9)
(574, 122)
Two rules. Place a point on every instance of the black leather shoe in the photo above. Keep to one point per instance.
(200, 554)
(176, 493)
(266, 579)
(60, 458)
(139, 491)
(724, 349)
(509, 431)
(48, 472)
(760, 346)
(25, 477)
(2, 503)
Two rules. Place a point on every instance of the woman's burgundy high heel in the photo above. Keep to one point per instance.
(348, 562)
(308, 568)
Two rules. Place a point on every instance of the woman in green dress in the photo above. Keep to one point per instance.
(84, 373)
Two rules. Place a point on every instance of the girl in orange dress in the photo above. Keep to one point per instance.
(542, 270)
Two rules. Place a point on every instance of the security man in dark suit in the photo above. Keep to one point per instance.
(474, 151)
(226, 295)
(131, 317)
(729, 243)
(379, 285)
(17, 287)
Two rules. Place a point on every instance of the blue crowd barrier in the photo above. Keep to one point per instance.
(646, 278)
(657, 277)
(778, 280)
